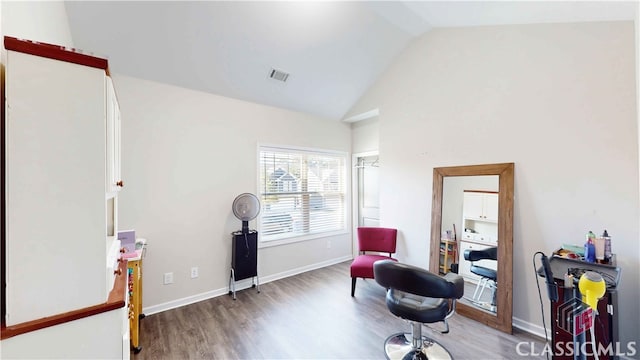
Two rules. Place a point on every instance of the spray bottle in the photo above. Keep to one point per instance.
(607, 247)
(590, 248)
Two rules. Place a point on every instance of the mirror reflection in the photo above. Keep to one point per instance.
(470, 236)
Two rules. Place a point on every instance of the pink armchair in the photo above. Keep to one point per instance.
(371, 239)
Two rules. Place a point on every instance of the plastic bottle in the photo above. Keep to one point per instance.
(607, 246)
(590, 248)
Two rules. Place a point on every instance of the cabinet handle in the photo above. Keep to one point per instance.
(117, 272)
(120, 183)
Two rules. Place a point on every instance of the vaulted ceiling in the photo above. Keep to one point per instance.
(332, 51)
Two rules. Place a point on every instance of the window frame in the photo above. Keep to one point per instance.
(345, 193)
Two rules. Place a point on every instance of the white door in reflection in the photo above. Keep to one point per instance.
(368, 191)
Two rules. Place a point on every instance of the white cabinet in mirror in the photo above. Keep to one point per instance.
(480, 217)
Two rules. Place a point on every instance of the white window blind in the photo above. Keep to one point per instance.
(302, 192)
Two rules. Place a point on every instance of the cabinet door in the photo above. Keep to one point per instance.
(490, 207)
(480, 206)
(473, 208)
(113, 138)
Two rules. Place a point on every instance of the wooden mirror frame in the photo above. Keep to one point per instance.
(502, 320)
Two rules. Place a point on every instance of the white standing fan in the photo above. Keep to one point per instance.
(246, 207)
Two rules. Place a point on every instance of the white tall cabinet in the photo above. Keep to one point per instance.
(62, 154)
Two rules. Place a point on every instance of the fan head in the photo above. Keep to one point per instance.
(246, 207)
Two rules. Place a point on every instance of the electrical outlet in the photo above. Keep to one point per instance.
(168, 278)
(194, 272)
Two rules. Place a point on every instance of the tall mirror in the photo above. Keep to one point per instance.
(472, 211)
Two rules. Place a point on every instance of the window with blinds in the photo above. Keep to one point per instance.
(302, 192)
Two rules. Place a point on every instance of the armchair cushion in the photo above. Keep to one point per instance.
(362, 265)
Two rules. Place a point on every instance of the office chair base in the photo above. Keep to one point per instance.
(477, 299)
(399, 347)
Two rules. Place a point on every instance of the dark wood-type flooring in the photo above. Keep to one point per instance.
(307, 316)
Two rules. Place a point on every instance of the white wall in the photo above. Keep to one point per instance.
(558, 100)
(43, 21)
(186, 155)
(365, 135)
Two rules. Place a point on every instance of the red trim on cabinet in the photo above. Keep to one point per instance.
(55, 52)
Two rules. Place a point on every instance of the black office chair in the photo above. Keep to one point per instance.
(420, 297)
(488, 277)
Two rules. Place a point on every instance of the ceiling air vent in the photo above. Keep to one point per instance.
(278, 75)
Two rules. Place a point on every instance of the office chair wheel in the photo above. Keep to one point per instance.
(400, 347)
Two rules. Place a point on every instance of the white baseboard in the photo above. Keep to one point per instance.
(240, 285)
(531, 328)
